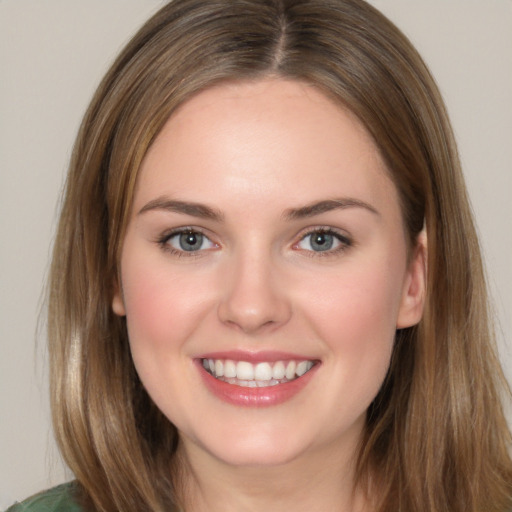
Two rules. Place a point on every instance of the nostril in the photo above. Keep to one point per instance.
(250, 313)
(252, 300)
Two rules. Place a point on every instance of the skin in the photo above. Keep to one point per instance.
(252, 152)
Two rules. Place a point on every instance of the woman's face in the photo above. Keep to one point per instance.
(264, 273)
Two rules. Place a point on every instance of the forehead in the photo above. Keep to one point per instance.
(263, 137)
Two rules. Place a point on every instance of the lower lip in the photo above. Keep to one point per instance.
(255, 397)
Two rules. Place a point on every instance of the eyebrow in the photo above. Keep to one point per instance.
(205, 212)
(187, 208)
(328, 205)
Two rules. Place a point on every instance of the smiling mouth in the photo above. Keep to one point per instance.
(258, 375)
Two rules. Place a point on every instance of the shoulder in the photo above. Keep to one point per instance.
(57, 499)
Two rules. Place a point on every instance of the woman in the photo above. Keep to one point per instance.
(266, 290)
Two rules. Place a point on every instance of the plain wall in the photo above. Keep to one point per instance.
(53, 54)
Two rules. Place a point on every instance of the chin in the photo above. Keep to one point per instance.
(257, 447)
(255, 456)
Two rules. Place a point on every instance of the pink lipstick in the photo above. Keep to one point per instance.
(255, 379)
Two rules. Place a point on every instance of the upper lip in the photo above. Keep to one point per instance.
(257, 357)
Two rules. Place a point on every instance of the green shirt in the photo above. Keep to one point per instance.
(58, 499)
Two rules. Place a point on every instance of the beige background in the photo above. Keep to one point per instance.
(52, 55)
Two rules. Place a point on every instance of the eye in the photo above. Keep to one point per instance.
(323, 240)
(187, 240)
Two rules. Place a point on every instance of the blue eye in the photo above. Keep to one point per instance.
(323, 241)
(188, 241)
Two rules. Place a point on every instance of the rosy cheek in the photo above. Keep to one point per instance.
(162, 305)
(147, 307)
(362, 296)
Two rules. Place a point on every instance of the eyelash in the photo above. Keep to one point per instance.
(163, 242)
(344, 242)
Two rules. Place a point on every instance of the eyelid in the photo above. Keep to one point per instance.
(163, 241)
(345, 241)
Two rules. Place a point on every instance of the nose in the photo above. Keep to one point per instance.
(254, 298)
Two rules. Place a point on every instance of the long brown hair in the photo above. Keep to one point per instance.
(436, 438)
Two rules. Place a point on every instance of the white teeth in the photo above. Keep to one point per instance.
(219, 368)
(229, 369)
(248, 383)
(261, 374)
(279, 370)
(303, 367)
(244, 370)
(290, 370)
(263, 371)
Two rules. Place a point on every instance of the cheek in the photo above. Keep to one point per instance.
(162, 307)
(357, 302)
(355, 313)
(148, 307)
(162, 313)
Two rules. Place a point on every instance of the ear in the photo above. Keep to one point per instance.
(117, 300)
(414, 290)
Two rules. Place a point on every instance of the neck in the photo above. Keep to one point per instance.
(323, 480)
